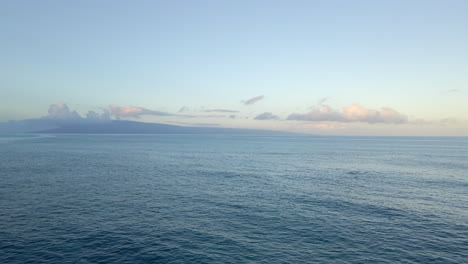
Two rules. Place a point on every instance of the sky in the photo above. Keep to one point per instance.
(316, 67)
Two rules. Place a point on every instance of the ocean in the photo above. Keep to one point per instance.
(233, 199)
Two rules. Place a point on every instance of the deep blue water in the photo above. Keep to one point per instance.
(232, 199)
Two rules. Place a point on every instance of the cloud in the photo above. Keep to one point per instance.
(58, 115)
(357, 113)
(62, 112)
(134, 112)
(209, 116)
(325, 126)
(253, 100)
(323, 100)
(61, 115)
(184, 109)
(196, 124)
(266, 116)
(91, 115)
(352, 113)
(448, 121)
(321, 113)
(453, 91)
(440, 122)
(221, 111)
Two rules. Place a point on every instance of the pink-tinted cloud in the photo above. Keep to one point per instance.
(134, 112)
(352, 113)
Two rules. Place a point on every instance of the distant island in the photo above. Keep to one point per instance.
(133, 127)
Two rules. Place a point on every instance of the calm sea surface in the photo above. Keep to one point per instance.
(232, 199)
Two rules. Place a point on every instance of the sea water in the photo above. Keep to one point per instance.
(232, 199)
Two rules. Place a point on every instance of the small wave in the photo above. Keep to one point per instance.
(10, 138)
(357, 172)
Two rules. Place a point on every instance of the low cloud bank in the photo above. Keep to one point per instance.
(58, 115)
(61, 112)
(352, 113)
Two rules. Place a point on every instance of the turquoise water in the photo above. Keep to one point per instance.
(232, 199)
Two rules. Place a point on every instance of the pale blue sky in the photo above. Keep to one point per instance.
(163, 55)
